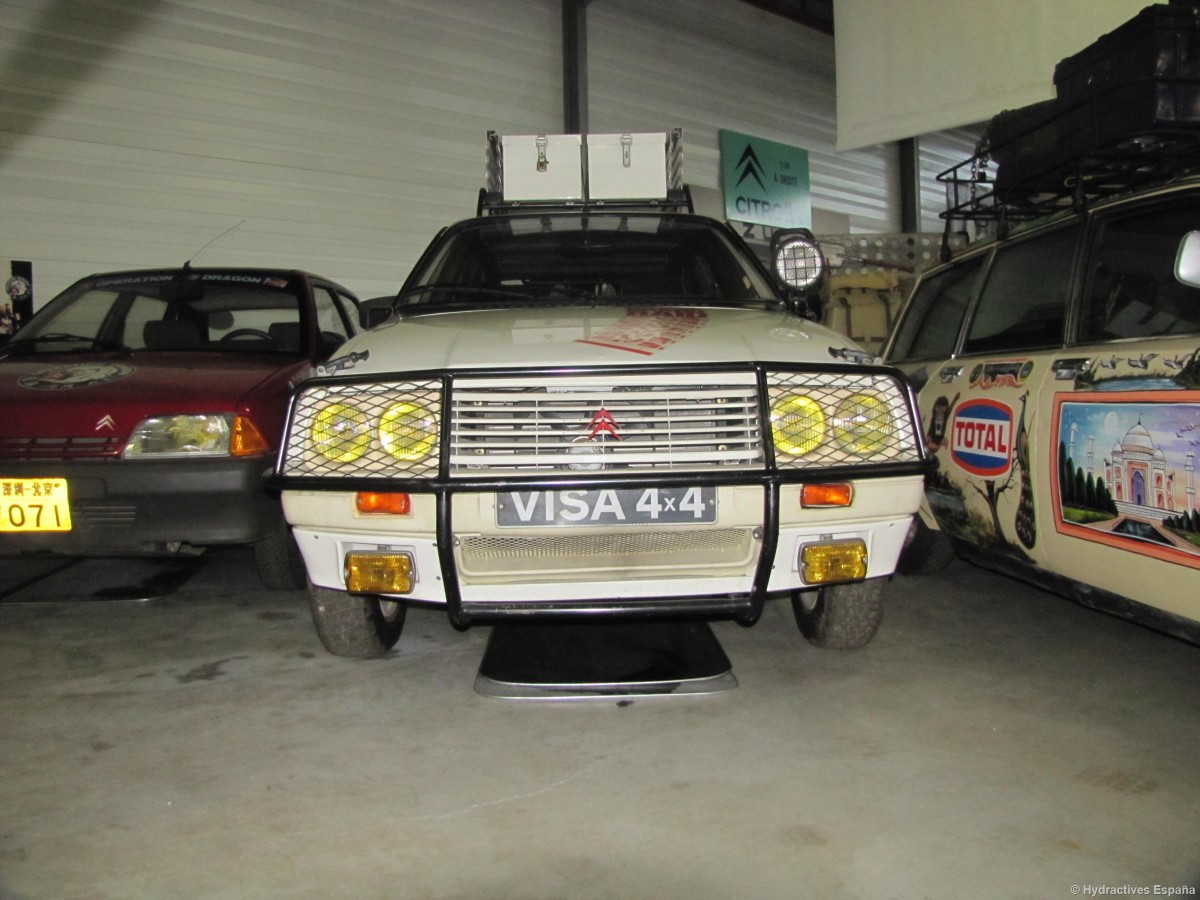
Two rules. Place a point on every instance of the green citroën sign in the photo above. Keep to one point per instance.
(765, 182)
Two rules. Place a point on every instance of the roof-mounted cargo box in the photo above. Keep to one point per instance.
(1126, 114)
(594, 170)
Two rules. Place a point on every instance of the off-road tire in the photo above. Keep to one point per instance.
(926, 552)
(840, 616)
(278, 561)
(360, 626)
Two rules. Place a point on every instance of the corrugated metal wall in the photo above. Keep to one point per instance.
(938, 153)
(339, 136)
(705, 66)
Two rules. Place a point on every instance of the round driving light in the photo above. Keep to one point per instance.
(340, 433)
(408, 431)
(798, 424)
(799, 262)
(863, 424)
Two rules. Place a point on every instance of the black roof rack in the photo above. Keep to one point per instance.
(1125, 115)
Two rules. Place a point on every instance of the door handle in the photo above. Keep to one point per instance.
(949, 373)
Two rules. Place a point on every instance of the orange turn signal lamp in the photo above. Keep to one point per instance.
(816, 496)
(383, 503)
(246, 440)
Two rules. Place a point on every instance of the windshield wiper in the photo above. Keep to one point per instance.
(561, 295)
(473, 290)
(61, 337)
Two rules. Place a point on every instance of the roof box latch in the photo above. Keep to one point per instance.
(542, 162)
(626, 150)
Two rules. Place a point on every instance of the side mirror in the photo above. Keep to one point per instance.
(375, 311)
(1187, 260)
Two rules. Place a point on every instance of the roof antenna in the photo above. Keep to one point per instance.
(187, 265)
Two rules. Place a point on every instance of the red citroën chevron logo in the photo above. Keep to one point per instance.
(602, 423)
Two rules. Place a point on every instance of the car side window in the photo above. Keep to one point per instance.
(931, 325)
(349, 305)
(1132, 291)
(329, 315)
(1023, 305)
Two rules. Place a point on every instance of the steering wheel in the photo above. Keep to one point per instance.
(248, 332)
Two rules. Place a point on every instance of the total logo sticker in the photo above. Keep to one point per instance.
(981, 438)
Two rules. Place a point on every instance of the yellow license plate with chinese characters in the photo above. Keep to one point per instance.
(34, 504)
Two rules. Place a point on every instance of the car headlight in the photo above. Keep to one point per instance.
(797, 424)
(340, 432)
(372, 429)
(863, 423)
(408, 431)
(183, 435)
(833, 418)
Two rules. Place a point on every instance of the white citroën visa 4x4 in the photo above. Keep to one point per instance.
(587, 404)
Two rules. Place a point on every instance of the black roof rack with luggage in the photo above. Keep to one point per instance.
(1126, 114)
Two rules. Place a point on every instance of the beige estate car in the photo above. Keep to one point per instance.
(1058, 372)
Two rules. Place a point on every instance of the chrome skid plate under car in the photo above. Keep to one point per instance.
(588, 658)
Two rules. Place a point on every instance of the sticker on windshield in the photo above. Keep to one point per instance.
(647, 331)
(82, 375)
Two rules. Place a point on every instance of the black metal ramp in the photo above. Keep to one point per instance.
(587, 658)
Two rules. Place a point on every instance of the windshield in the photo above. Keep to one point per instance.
(588, 258)
(165, 311)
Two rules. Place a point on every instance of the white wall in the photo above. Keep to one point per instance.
(704, 66)
(339, 135)
(342, 134)
(906, 67)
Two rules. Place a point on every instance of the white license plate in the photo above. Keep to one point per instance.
(34, 504)
(607, 506)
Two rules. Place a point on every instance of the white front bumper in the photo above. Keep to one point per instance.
(327, 529)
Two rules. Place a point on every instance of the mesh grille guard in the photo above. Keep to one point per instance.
(615, 426)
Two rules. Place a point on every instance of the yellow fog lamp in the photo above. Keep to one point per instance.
(340, 432)
(380, 573)
(408, 431)
(834, 561)
(863, 424)
(797, 424)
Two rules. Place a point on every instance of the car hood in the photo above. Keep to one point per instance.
(73, 395)
(603, 336)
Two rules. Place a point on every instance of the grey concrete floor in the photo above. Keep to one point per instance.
(993, 741)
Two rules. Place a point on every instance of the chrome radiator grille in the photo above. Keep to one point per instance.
(590, 423)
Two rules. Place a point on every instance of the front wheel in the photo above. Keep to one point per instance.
(278, 561)
(840, 616)
(358, 626)
(926, 552)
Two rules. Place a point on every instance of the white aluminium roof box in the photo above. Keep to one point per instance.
(542, 166)
(566, 168)
(626, 166)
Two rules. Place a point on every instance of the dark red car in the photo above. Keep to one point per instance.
(141, 410)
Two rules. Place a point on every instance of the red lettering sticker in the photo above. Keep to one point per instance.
(647, 331)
